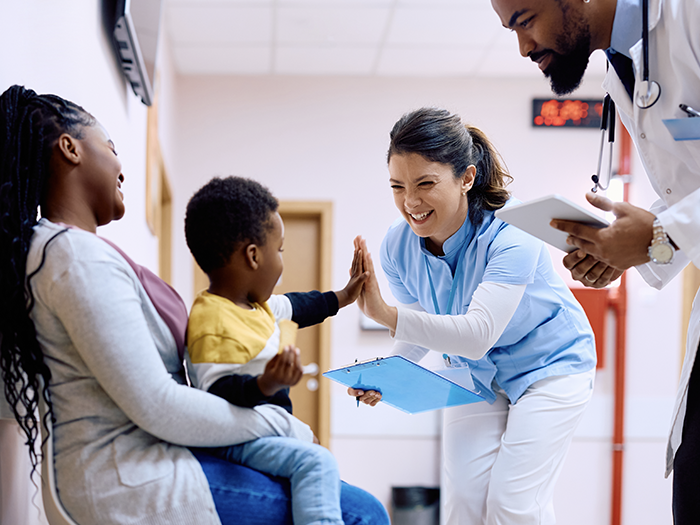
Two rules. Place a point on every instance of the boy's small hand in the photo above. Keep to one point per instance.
(281, 371)
(358, 276)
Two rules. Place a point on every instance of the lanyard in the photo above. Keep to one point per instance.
(453, 289)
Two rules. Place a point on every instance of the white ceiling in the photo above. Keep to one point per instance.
(343, 37)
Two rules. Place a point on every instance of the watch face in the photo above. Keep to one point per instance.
(661, 253)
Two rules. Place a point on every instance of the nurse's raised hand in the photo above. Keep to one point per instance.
(621, 245)
(371, 303)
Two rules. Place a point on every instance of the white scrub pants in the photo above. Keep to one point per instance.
(501, 461)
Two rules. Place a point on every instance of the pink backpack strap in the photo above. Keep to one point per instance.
(166, 300)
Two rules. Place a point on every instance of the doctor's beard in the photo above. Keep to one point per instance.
(566, 68)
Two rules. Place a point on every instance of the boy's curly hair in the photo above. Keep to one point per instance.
(225, 213)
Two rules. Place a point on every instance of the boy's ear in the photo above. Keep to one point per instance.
(252, 256)
(68, 148)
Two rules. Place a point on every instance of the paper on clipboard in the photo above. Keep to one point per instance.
(404, 385)
(534, 217)
(683, 128)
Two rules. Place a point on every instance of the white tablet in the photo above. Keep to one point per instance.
(534, 218)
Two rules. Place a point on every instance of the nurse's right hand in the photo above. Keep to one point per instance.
(369, 397)
(370, 301)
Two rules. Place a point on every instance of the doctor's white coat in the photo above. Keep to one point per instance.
(673, 167)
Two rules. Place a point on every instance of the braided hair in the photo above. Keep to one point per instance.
(30, 125)
(440, 136)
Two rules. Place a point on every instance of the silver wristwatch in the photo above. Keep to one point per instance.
(660, 250)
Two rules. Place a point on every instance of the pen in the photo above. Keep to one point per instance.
(357, 398)
(690, 111)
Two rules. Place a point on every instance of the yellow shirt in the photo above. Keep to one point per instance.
(223, 338)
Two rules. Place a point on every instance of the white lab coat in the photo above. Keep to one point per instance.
(672, 167)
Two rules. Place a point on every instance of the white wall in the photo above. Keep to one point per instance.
(61, 48)
(326, 139)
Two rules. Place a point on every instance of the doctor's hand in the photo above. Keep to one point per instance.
(370, 301)
(369, 397)
(621, 245)
(590, 271)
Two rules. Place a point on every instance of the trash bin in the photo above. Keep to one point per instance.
(415, 506)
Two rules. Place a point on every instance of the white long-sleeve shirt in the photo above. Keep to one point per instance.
(470, 335)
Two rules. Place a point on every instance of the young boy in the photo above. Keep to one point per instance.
(236, 235)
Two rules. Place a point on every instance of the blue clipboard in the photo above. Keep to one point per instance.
(404, 384)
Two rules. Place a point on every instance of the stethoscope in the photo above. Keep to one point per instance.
(646, 95)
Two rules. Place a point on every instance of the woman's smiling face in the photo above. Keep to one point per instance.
(103, 175)
(431, 199)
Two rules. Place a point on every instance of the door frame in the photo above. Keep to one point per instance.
(159, 207)
(323, 212)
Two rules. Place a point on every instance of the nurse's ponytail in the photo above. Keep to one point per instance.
(440, 136)
(489, 189)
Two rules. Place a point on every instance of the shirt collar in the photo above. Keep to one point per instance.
(627, 26)
(453, 246)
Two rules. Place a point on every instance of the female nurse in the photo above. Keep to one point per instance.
(484, 294)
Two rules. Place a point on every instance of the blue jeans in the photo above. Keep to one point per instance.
(311, 470)
(247, 497)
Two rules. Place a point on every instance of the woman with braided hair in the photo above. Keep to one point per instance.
(107, 338)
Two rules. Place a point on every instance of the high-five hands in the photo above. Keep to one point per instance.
(358, 276)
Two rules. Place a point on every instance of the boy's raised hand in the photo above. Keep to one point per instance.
(358, 276)
(281, 371)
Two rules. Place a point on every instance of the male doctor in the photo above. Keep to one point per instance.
(560, 35)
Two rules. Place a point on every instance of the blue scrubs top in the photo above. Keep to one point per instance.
(549, 333)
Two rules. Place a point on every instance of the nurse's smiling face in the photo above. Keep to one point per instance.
(431, 199)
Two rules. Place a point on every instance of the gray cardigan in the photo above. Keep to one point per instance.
(123, 415)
